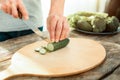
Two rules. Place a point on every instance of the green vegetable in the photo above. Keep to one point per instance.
(88, 19)
(52, 46)
(72, 23)
(37, 49)
(70, 16)
(57, 45)
(43, 51)
(84, 25)
(72, 19)
(88, 14)
(112, 24)
(93, 21)
(98, 24)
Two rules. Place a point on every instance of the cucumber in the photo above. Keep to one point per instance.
(52, 46)
(37, 49)
(43, 51)
(57, 45)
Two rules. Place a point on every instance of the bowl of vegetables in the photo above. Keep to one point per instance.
(94, 23)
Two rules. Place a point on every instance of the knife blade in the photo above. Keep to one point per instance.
(35, 29)
(40, 34)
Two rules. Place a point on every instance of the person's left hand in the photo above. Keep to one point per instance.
(58, 27)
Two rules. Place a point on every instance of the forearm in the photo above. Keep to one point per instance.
(56, 22)
(57, 7)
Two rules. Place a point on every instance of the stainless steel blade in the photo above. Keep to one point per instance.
(40, 34)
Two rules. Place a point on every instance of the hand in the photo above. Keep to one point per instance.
(12, 6)
(58, 27)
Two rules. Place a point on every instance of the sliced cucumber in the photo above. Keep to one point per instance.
(50, 47)
(37, 49)
(43, 51)
(57, 45)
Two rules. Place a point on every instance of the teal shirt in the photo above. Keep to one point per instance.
(8, 23)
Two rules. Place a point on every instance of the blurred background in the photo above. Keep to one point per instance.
(72, 6)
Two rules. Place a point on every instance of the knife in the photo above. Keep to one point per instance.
(40, 34)
(35, 29)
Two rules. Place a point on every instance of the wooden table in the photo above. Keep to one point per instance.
(109, 70)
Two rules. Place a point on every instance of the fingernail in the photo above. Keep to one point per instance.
(57, 40)
(60, 39)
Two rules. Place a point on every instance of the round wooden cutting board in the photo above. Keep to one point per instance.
(78, 56)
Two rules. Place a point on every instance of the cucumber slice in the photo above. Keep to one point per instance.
(50, 47)
(37, 49)
(57, 45)
(43, 51)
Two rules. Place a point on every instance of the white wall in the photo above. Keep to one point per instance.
(71, 6)
(102, 5)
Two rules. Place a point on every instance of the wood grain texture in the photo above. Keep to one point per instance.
(80, 55)
(108, 69)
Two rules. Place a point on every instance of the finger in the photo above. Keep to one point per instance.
(14, 10)
(0, 6)
(65, 30)
(8, 7)
(4, 8)
(48, 26)
(58, 30)
(52, 25)
(23, 10)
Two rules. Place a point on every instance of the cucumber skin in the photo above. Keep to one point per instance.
(59, 45)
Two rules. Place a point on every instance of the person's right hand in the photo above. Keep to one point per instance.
(12, 6)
